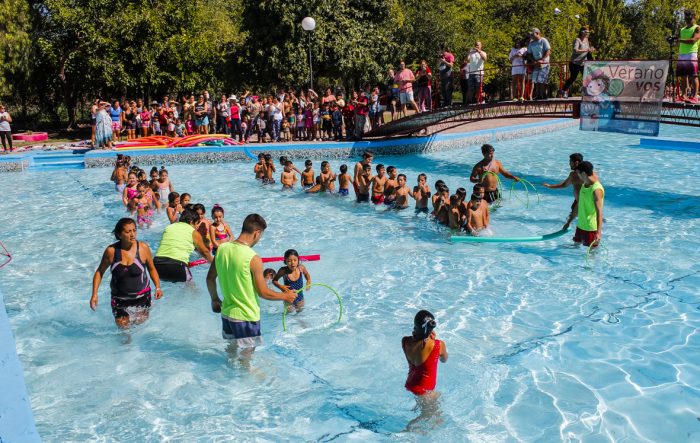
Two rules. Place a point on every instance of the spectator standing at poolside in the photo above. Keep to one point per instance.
(235, 118)
(581, 52)
(5, 129)
(222, 115)
(423, 89)
(687, 67)
(201, 113)
(464, 79)
(405, 79)
(517, 70)
(361, 111)
(447, 60)
(476, 59)
(240, 273)
(103, 127)
(538, 51)
(211, 112)
(392, 91)
(116, 114)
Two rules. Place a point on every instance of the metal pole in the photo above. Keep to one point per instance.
(311, 66)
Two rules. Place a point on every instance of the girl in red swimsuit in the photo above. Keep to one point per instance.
(422, 352)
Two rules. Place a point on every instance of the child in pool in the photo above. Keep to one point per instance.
(478, 215)
(219, 231)
(293, 275)
(165, 186)
(185, 199)
(153, 182)
(174, 208)
(325, 180)
(344, 181)
(203, 225)
(143, 206)
(269, 274)
(269, 170)
(454, 217)
(259, 167)
(421, 194)
(131, 189)
(401, 192)
(288, 177)
(390, 184)
(307, 176)
(378, 183)
(422, 350)
(364, 179)
(151, 196)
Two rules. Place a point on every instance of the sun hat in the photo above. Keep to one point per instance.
(233, 97)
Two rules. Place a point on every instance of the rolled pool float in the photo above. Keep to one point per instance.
(472, 239)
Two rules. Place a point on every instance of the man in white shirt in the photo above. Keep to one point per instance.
(475, 68)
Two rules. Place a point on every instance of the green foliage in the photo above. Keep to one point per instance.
(14, 42)
(60, 53)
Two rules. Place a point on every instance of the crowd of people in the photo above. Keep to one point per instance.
(304, 115)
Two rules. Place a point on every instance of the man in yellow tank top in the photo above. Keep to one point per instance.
(589, 226)
(687, 66)
(240, 273)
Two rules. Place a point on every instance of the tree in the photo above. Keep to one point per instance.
(14, 42)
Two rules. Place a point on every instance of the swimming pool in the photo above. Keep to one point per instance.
(543, 347)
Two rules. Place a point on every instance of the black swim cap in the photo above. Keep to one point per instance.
(423, 324)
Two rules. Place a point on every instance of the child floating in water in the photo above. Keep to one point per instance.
(344, 181)
(293, 275)
(422, 350)
(174, 208)
(219, 232)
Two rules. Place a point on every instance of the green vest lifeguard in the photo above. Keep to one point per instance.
(240, 299)
(587, 214)
(687, 33)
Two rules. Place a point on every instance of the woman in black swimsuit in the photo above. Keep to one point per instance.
(128, 260)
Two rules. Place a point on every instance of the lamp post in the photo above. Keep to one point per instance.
(308, 24)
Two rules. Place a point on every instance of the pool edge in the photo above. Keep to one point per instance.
(16, 417)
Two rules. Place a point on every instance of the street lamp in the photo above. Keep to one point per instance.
(308, 24)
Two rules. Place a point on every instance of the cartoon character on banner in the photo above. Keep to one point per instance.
(599, 106)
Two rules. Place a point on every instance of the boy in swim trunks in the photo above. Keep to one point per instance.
(307, 177)
(477, 215)
(288, 177)
(486, 172)
(401, 192)
(391, 183)
(454, 217)
(259, 167)
(378, 183)
(344, 181)
(359, 168)
(324, 181)
(363, 181)
(421, 194)
(268, 169)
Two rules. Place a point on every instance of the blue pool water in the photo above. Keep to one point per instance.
(543, 347)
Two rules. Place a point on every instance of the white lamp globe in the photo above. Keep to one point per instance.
(308, 24)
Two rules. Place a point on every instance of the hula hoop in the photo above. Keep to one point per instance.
(470, 239)
(527, 193)
(590, 248)
(340, 303)
(533, 188)
(6, 253)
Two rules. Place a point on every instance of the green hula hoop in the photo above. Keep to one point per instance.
(496, 204)
(525, 184)
(340, 303)
(590, 248)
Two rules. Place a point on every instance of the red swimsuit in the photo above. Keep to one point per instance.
(422, 378)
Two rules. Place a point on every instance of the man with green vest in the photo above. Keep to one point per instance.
(687, 66)
(178, 242)
(589, 227)
(240, 273)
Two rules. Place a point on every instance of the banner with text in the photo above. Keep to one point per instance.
(623, 96)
